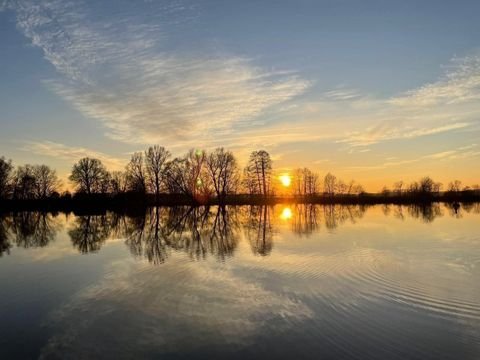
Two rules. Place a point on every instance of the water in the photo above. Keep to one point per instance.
(288, 282)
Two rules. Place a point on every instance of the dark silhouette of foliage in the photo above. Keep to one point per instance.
(258, 173)
(200, 178)
(6, 169)
(155, 160)
(223, 172)
(305, 182)
(136, 174)
(89, 176)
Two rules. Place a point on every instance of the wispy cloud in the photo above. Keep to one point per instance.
(385, 131)
(342, 94)
(72, 154)
(461, 83)
(463, 152)
(120, 72)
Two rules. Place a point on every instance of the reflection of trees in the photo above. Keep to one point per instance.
(386, 209)
(5, 242)
(398, 212)
(144, 237)
(34, 229)
(90, 232)
(305, 219)
(259, 229)
(336, 215)
(426, 212)
(198, 231)
(470, 208)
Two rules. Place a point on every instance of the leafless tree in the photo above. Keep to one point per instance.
(88, 175)
(6, 169)
(23, 183)
(155, 160)
(187, 175)
(455, 186)
(305, 182)
(258, 173)
(223, 172)
(330, 184)
(136, 173)
(46, 181)
(341, 187)
(398, 187)
(118, 182)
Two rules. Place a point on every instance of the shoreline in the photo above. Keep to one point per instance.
(128, 202)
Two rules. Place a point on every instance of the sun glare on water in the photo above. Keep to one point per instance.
(286, 214)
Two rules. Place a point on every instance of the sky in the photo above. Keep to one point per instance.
(376, 91)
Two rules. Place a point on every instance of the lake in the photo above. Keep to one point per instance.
(282, 282)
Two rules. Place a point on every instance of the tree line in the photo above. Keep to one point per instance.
(197, 175)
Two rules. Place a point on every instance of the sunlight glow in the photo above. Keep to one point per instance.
(286, 214)
(285, 179)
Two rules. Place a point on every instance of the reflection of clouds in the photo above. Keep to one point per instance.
(328, 285)
(182, 307)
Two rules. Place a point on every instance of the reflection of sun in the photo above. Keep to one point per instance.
(286, 214)
(285, 179)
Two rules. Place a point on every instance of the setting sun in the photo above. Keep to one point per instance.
(286, 180)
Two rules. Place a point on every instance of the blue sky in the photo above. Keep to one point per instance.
(372, 90)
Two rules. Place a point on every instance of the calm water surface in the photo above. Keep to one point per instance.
(288, 282)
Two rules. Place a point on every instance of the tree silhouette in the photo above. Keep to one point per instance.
(155, 160)
(330, 184)
(89, 175)
(188, 175)
(258, 173)
(136, 174)
(6, 169)
(118, 182)
(23, 183)
(305, 182)
(223, 171)
(46, 181)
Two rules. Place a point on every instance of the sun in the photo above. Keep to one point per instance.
(285, 179)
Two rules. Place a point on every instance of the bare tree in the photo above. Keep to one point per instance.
(23, 183)
(426, 185)
(46, 181)
(455, 186)
(341, 187)
(398, 187)
(155, 160)
(136, 173)
(6, 169)
(258, 172)
(118, 182)
(305, 182)
(88, 175)
(330, 184)
(223, 171)
(187, 175)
